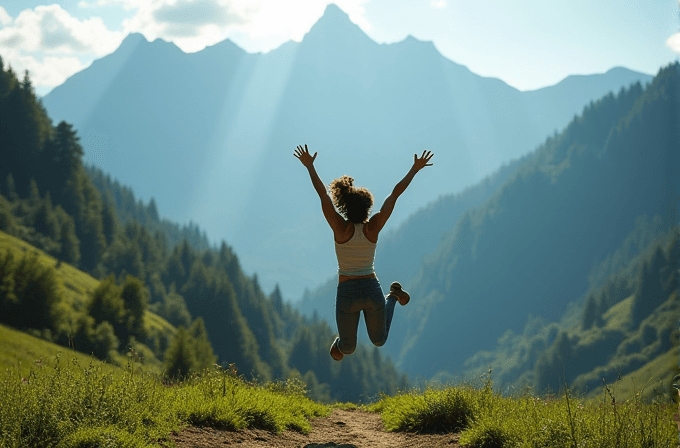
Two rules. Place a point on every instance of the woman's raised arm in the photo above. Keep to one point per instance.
(378, 221)
(332, 217)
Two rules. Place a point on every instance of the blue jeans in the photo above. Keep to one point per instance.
(365, 295)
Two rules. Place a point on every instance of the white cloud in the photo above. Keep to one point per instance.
(673, 42)
(51, 30)
(51, 44)
(195, 24)
(191, 24)
(46, 72)
(5, 19)
(438, 3)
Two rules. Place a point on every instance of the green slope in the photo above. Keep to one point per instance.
(626, 344)
(75, 287)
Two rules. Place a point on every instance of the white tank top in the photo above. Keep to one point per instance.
(355, 257)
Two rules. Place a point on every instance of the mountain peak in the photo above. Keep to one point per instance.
(334, 12)
(335, 25)
(133, 39)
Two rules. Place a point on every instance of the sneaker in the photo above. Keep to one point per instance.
(335, 351)
(402, 296)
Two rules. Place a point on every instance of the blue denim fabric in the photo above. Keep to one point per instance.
(365, 295)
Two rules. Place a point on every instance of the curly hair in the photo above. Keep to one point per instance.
(353, 203)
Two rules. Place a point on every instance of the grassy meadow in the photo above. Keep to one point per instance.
(57, 397)
(487, 419)
(68, 399)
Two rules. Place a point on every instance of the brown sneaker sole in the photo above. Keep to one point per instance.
(402, 296)
(335, 351)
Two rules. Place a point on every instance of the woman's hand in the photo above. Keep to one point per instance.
(304, 156)
(421, 162)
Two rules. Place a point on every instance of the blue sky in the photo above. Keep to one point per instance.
(527, 43)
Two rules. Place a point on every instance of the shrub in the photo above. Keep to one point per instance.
(179, 358)
(97, 340)
(433, 411)
(488, 432)
(106, 305)
(135, 301)
(94, 437)
(30, 294)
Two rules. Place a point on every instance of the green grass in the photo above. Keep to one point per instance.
(486, 419)
(67, 403)
(74, 401)
(654, 377)
(20, 352)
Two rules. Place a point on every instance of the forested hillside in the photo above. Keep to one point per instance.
(128, 208)
(531, 247)
(528, 246)
(145, 266)
(618, 329)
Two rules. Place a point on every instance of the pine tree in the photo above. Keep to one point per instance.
(45, 221)
(210, 294)
(152, 210)
(135, 301)
(70, 246)
(8, 300)
(33, 194)
(650, 292)
(590, 309)
(302, 351)
(8, 223)
(11, 188)
(38, 295)
(205, 357)
(179, 358)
(109, 221)
(277, 299)
(106, 305)
(174, 308)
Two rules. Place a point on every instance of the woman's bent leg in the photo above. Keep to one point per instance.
(379, 315)
(347, 312)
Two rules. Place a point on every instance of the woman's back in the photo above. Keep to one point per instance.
(355, 256)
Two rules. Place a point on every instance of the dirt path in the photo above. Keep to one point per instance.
(342, 429)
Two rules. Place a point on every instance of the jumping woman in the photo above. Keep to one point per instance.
(356, 237)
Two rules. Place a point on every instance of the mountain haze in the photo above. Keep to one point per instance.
(210, 135)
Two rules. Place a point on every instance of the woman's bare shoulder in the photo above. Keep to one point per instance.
(345, 233)
(370, 232)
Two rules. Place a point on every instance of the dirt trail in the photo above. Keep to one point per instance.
(342, 429)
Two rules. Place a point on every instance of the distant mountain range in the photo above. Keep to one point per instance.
(210, 135)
